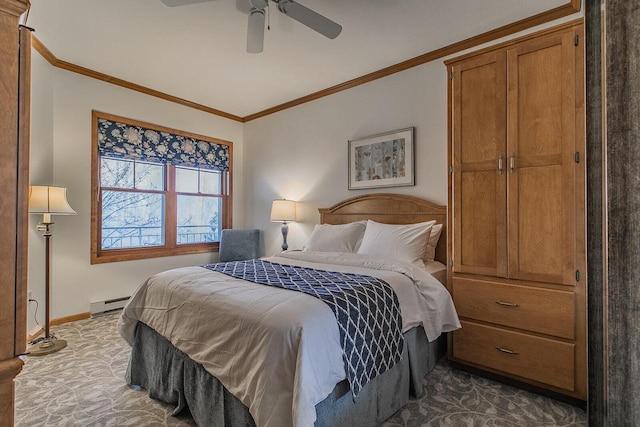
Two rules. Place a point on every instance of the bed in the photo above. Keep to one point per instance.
(238, 353)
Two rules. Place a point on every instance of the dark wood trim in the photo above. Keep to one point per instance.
(72, 318)
(170, 248)
(95, 188)
(433, 55)
(53, 60)
(572, 6)
(60, 321)
(35, 335)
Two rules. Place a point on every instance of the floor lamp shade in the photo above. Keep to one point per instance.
(47, 200)
(283, 211)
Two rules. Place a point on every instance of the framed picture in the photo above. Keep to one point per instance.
(383, 160)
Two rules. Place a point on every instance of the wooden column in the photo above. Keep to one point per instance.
(613, 126)
(622, 313)
(595, 226)
(13, 206)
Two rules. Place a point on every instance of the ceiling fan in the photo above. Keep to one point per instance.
(255, 30)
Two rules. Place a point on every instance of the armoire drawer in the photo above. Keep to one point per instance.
(539, 359)
(539, 310)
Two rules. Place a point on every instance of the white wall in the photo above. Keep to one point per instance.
(66, 128)
(40, 173)
(301, 153)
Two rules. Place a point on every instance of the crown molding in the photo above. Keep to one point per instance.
(571, 7)
(53, 60)
(542, 18)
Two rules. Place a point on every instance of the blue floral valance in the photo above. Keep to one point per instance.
(133, 142)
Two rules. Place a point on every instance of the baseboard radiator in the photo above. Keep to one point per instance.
(101, 308)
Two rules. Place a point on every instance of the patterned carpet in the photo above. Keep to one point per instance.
(83, 385)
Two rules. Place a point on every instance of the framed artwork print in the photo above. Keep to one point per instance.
(383, 160)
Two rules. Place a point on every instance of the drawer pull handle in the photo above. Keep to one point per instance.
(508, 304)
(505, 350)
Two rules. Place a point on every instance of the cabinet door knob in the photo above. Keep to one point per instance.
(500, 169)
(506, 350)
(512, 162)
(508, 304)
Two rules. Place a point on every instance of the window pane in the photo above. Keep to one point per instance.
(210, 182)
(116, 173)
(186, 180)
(198, 219)
(132, 220)
(149, 176)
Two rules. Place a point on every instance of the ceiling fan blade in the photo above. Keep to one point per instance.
(311, 19)
(255, 31)
(173, 3)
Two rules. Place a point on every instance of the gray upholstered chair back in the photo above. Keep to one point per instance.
(239, 245)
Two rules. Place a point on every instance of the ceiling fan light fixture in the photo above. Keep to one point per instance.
(255, 31)
(258, 4)
(174, 3)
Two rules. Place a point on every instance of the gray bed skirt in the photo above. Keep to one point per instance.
(171, 376)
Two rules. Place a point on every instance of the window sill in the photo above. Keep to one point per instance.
(118, 255)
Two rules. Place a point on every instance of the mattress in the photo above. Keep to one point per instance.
(276, 350)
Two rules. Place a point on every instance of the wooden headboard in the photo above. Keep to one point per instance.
(389, 209)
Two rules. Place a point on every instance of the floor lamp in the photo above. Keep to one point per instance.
(282, 211)
(47, 200)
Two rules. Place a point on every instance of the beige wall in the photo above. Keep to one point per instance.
(40, 173)
(61, 155)
(299, 153)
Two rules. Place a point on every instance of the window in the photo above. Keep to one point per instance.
(157, 191)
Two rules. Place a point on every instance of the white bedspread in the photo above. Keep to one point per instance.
(276, 350)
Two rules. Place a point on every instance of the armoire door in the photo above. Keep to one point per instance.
(479, 165)
(541, 152)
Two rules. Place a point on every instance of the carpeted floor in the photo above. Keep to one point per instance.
(83, 385)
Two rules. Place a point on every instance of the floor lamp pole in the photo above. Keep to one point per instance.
(49, 344)
(47, 280)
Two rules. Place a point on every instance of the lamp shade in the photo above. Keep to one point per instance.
(283, 210)
(44, 199)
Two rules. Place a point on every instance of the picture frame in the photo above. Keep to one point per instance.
(382, 160)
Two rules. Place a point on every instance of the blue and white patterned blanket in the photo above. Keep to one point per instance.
(366, 308)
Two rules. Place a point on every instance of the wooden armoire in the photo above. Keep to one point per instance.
(517, 267)
(15, 68)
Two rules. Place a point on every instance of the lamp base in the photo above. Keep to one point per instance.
(285, 231)
(46, 346)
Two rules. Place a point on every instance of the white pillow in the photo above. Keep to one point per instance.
(400, 242)
(336, 238)
(430, 251)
